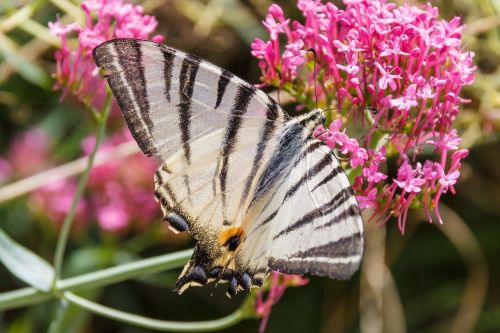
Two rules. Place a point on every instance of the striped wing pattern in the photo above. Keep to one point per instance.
(247, 182)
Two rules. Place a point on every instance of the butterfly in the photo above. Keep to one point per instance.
(252, 185)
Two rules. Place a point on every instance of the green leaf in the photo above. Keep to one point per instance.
(24, 264)
(27, 69)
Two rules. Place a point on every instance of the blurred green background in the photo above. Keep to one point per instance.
(442, 278)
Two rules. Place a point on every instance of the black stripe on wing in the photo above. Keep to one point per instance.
(324, 209)
(240, 106)
(167, 70)
(136, 77)
(340, 248)
(266, 134)
(187, 80)
(329, 177)
(286, 153)
(318, 167)
(224, 78)
(311, 147)
(352, 210)
(340, 271)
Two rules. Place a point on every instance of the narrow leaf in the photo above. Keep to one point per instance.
(24, 264)
(25, 68)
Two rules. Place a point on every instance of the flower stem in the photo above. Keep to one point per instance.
(29, 296)
(155, 324)
(71, 9)
(68, 220)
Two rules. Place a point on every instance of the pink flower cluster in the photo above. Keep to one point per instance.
(27, 153)
(392, 72)
(278, 285)
(118, 193)
(76, 71)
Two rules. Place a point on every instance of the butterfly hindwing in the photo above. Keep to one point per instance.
(327, 237)
(310, 223)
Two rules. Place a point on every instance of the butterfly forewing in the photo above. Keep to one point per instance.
(237, 174)
(170, 98)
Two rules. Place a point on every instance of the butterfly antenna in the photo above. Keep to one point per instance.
(314, 76)
(279, 88)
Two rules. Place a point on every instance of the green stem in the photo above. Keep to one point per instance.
(155, 324)
(29, 296)
(71, 9)
(68, 220)
(40, 32)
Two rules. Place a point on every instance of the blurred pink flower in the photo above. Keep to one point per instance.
(404, 63)
(279, 283)
(119, 194)
(112, 217)
(54, 201)
(5, 170)
(369, 200)
(28, 152)
(76, 71)
(121, 191)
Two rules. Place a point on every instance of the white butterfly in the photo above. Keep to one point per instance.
(252, 186)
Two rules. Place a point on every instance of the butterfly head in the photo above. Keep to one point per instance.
(323, 118)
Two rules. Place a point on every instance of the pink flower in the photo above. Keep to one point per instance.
(279, 283)
(121, 191)
(449, 179)
(372, 174)
(432, 170)
(408, 101)
(112, 217)
(448, 141)
(259, 48)
(28, 152)
(5, 170)
(351, 67)
(59, 30)
(386, 79)
(292, 58)
(118, 195)
(274, 28)
(359, 157)
(54, 201)
(409, 179)
(276, 12)
(75, 69)
(369, 200)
